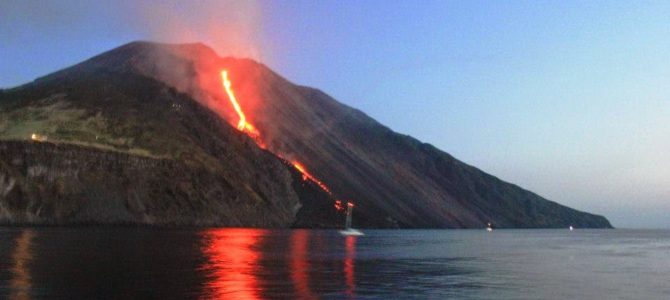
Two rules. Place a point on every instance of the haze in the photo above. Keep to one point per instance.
(568, 99)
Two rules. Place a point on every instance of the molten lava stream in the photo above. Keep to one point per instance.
(242, 125)
(245, 126)
(306, 175)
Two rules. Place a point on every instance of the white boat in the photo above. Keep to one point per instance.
(571, 228)
(351, 232)
(347, 225)
(489, 228)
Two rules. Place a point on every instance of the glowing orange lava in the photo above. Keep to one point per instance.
(245, 126)
(242, 125)
(306, 175)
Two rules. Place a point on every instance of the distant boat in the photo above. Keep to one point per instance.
(347, 225)
(571, 228)
(489, 228)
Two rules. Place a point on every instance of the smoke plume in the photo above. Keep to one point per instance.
(232, 28)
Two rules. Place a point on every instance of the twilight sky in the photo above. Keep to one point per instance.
(569, 99)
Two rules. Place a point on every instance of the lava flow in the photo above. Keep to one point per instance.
(306, 176)
(242, 125)
(245, 126)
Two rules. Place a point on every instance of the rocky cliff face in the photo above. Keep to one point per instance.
(138, 100)
(45, 183)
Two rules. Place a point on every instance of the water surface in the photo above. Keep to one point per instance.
(124, 263)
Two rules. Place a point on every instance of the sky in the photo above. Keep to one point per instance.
(569, 99)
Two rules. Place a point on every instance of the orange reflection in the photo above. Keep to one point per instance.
(349, 271)
(300, 264)
(22, 256)
(233, 263)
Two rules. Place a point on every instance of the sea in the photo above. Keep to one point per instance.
(238, 263)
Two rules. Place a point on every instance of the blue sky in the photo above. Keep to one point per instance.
(570, 99)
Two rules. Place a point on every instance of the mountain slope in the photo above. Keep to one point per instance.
(413, 183)
(124, 148)
(394, 179)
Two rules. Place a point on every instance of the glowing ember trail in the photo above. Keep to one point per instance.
(338, 205)
(306, 176)
(246, 127)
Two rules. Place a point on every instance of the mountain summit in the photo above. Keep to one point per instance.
(146, 134)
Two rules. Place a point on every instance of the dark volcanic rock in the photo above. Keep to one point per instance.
(44, 183)
(130, 100)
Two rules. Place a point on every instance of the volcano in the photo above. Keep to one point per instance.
(146, 134)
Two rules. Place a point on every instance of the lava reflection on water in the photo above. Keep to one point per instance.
(300, 264)
(233, 263)
(21, 282)
(292, 264)
(349, 271)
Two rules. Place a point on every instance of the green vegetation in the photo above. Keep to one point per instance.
(54, 119)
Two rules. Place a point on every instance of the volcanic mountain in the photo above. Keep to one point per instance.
(146, 134)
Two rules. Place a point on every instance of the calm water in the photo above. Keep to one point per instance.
(248, 264)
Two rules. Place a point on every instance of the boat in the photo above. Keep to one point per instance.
(489, 228)
(348, 231)
(571, 228)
